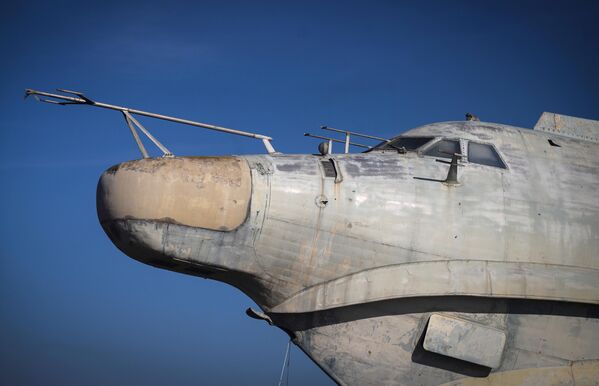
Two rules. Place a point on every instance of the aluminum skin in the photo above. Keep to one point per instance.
(353, 265)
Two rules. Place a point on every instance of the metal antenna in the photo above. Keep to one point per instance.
(81, 99)
(285, 365)
(349, 133)
(337, 140)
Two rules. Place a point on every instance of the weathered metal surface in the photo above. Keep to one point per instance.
(354, 268)
(465, 340)
(381, 344)
(584, 373)
(573, 127)
(450, 277)
(211, 193)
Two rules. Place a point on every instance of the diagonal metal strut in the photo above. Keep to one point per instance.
(140, 145)
(81, 99)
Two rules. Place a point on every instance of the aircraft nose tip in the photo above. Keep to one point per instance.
(205, 192)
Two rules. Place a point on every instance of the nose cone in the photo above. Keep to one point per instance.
(203, 192)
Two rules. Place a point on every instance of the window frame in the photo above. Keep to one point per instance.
(422, 151)
(467, 157)
(432, 139)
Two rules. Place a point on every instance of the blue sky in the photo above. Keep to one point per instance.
(73, 309)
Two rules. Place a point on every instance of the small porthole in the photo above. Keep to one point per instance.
(553, 143)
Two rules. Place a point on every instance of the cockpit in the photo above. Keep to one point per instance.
(473, 152)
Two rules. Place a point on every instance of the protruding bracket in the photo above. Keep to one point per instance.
(452, 174)
(258, 315)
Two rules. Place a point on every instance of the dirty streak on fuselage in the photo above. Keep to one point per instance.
(540, 210)
(312, 246)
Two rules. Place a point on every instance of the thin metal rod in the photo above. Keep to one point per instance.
(337, 140)
(288, 364)
(354, 133)
(140, 145)
(268, 146)
(284, 363)
(166, 151)
(346, 143)
(87, 101)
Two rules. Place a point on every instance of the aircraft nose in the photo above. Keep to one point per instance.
(204, 192)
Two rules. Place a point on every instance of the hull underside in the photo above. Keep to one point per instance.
(381, 343)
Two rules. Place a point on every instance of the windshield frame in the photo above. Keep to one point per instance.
(390, 144)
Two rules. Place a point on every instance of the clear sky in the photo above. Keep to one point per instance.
(76, 311)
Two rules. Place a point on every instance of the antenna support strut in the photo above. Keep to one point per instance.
(80, 99)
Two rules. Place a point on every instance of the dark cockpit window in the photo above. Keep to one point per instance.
(445, 148)
(479, 153)
(404, 143)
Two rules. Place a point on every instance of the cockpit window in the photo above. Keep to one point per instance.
(405, 143)
(479, 153)
(445, 148)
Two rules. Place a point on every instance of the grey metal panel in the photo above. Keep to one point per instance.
(465, 340)
(584, 373)
(379, 349)
(531, 334)
(379, 215)
(574, 127)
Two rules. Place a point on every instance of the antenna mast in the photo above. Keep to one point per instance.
(80, 99)
(347, 142)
